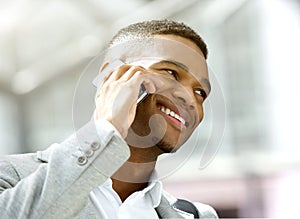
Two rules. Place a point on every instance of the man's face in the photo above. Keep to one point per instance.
(178, 106)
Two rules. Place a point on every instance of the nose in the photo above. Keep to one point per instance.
(185, 98)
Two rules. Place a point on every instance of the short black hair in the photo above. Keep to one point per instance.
(146, 29)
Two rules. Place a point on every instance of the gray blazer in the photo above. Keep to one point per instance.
(56, 183)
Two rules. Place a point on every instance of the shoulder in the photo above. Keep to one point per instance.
(199, 210)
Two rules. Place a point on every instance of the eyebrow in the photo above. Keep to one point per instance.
(185, 68)
(177, 64)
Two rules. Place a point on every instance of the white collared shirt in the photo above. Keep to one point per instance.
(140, 204)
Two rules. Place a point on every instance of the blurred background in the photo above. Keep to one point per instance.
(254, 52)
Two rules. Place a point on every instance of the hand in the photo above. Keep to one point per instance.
(116, 100)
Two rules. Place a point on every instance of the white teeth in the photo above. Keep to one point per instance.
(173, 114)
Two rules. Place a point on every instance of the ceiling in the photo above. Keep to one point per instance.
(42, 39)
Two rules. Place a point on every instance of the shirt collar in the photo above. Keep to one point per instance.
(154, 189)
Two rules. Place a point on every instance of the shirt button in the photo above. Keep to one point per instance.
(81, 160)
(95, 146)
(89, 153)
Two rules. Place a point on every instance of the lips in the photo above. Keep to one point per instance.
(180, 118)
(171, 113)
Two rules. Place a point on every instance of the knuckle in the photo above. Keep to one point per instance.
(137, 68)
(123, 67)
(139, 73)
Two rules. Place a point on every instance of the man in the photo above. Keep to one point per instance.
(107, 168)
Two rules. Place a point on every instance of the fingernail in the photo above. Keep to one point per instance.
(151, 88)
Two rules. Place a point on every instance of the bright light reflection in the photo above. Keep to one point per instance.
(282, 34)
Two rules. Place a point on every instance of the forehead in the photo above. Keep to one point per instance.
(162, 47)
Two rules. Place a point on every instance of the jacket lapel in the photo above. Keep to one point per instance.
(165, 210)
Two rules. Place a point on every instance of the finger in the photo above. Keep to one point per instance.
(121, 74)
(117, 73)
(100, 86)
(107, 76)
(150, 87)
(132, 71)
(151, 82)
(125, 72)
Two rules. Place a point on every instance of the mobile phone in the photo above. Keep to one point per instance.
(142, 94)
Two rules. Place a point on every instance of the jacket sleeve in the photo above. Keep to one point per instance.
(59, 187)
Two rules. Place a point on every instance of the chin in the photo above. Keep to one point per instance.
(166, 147)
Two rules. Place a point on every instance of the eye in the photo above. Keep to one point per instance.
(201, 93)
(171, 72)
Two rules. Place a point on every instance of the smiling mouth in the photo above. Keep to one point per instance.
(174, 116)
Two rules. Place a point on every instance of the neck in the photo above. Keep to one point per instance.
(135, 174)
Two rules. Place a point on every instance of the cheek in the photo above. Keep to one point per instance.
(144, 111)
(200, 114)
